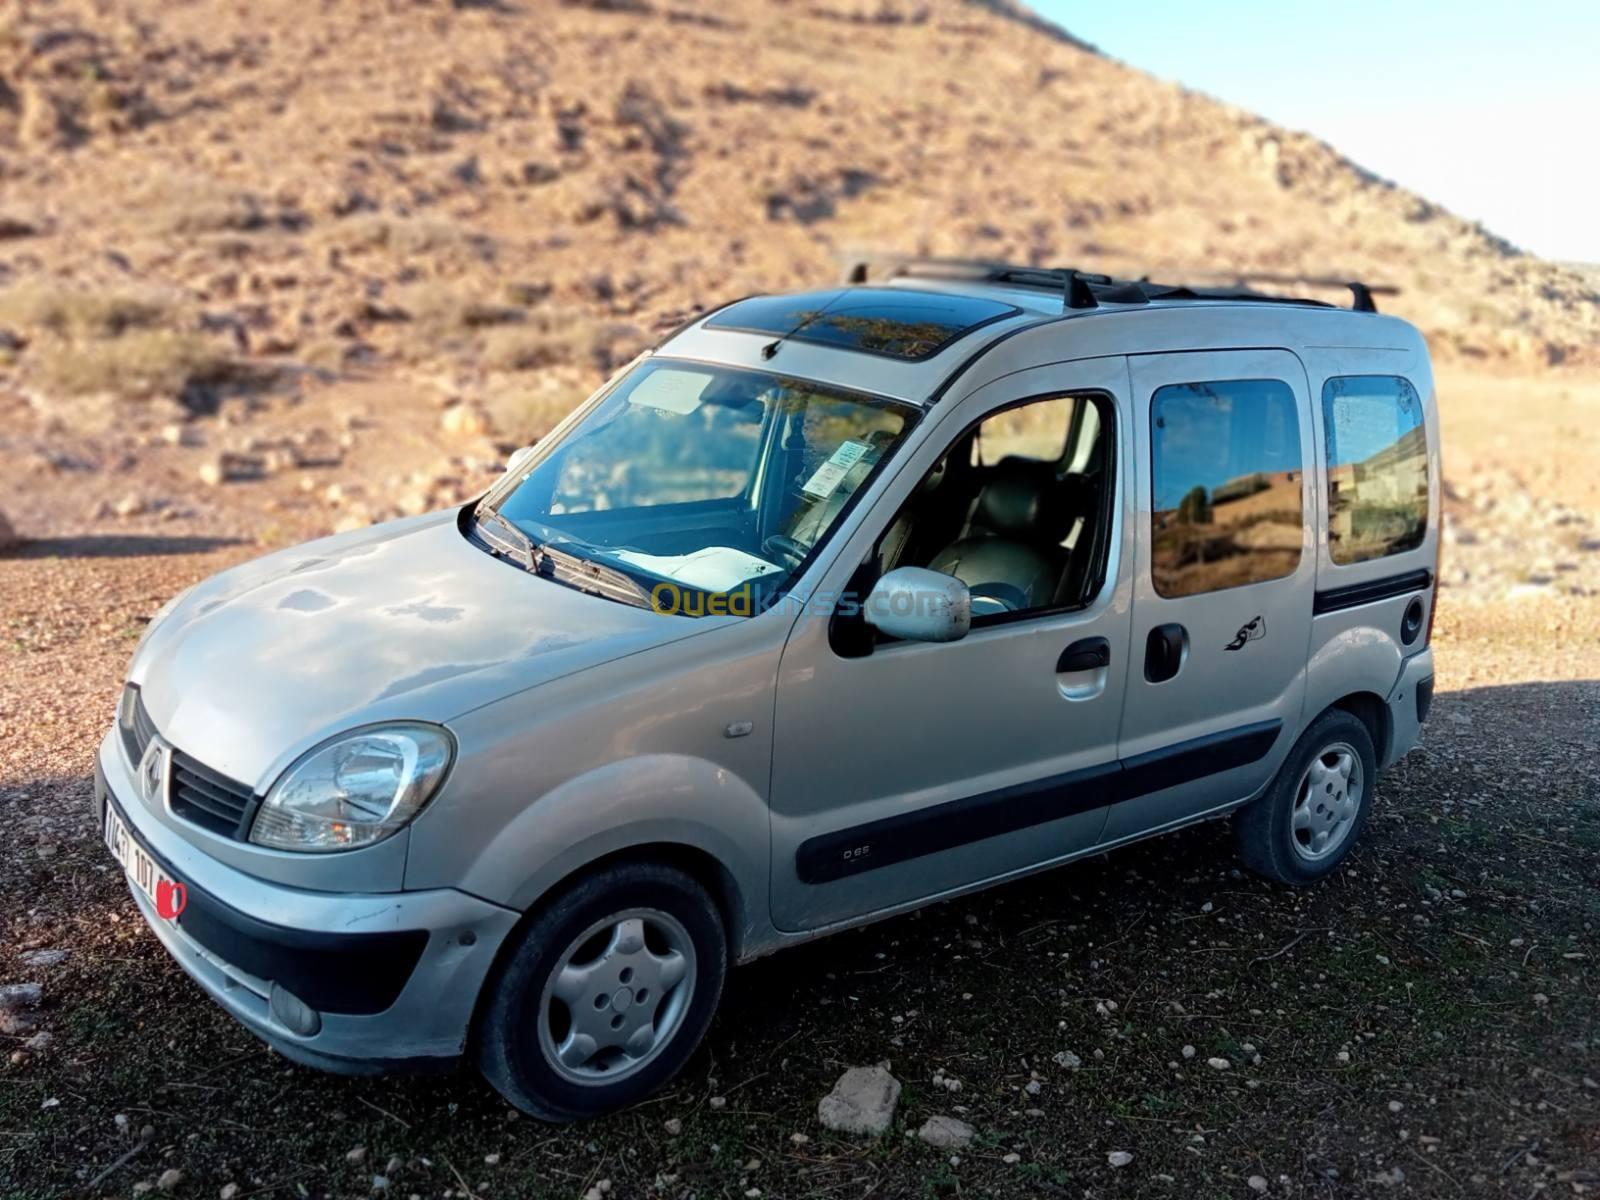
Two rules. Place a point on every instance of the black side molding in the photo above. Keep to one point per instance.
(1185, 762)
(1356, 594)
(898, 839)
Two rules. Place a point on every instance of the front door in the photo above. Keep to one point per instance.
(1223, 581)
(916, 769)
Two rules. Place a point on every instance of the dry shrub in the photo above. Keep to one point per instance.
(522, 413)
(412, 237)
(147, 362)
(190, 205)
(562, 337)
(55, 307)
(441, 309)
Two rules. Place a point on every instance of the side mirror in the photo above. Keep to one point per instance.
(920, 605)
(518, 457)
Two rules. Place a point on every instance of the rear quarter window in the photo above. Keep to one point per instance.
(1377, 467)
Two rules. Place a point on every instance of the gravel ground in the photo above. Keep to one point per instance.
(1428, 1023)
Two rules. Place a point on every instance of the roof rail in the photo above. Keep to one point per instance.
(1086, 289)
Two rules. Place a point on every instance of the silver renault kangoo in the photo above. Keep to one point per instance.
(832, 605)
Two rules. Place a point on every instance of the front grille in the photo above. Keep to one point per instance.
(210, 800)
(197, 793)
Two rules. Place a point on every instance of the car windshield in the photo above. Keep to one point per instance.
(698, 481)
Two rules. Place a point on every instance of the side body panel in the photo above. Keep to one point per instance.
(666, 748)
(921, 768)
(1215, 732)
(1356, 646)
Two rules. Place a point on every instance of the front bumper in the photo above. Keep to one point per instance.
(390, 980)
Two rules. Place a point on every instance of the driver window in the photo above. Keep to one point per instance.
(1017, 509)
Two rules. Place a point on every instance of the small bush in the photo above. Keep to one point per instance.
(441, 309)
(145, 363)
(59, 308)
(199, 204)
(556, 338)
(522, 414)
(412, 237)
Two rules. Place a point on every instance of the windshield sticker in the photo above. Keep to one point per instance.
(671, 390)
(825, 480)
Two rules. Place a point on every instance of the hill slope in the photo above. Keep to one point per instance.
(508, 184)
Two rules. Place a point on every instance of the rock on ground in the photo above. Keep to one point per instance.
(946, 1133)
(863, 1101)
(17, 996)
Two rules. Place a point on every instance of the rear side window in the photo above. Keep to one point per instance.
(1377, 467)
(1226, 505)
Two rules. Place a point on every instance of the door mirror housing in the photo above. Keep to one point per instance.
(919, 605)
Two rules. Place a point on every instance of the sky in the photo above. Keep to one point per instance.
(1489, 109)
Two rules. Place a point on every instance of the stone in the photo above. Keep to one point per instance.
(1257, 1183)
(15, 1022)
(213, 473)
(17, 996)
(946, 1133)
(228, 1192)
(1119, 1158)
(862, 1101)
(44, 958)
(170, 1179)
(464, 420)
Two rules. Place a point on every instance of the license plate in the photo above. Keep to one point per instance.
(140, 867)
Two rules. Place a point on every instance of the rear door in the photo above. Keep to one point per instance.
(1223, 581)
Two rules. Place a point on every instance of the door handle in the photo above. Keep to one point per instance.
(1163, 652)
(1085, 654)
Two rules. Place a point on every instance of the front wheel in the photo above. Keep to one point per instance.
(1305, 823)
(606, 993)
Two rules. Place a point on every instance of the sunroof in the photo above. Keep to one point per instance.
(892, 322)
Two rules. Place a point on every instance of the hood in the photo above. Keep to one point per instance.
(402, 621)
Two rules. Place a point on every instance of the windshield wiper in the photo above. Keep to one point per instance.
(504, 539)
(589, 576)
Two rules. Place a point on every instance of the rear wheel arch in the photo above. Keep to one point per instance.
(1371, 711)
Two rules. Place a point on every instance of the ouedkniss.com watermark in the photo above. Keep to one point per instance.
(672, 600)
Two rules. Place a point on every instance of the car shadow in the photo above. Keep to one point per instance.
(131, 545)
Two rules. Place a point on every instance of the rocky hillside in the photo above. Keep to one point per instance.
(504, 197)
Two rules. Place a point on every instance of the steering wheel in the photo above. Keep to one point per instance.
(790, 551)
(989, 599)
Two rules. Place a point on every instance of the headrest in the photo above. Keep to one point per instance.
(1019, 498)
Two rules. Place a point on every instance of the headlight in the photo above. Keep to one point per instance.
(354, 790)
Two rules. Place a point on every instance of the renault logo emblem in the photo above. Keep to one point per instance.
(153, 774)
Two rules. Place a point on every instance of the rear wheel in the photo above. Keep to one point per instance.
(1316, 806)
(606, 994)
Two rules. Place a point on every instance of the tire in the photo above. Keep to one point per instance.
(1316, 806)
(635, 953)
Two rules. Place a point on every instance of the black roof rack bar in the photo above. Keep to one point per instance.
(1085, 289)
